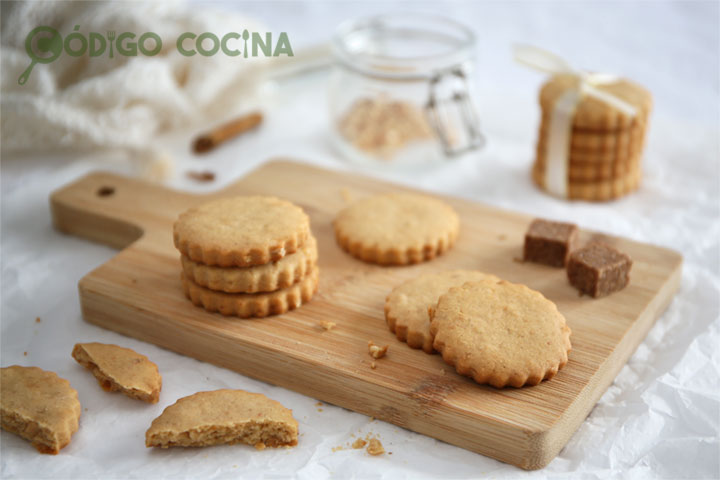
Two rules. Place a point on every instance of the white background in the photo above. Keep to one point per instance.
(659, 418)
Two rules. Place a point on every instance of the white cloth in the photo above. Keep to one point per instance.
(659, 419)
(83, 102)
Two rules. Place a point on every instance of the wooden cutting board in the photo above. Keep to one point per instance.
(138, 294)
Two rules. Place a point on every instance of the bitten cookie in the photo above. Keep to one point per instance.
(500, 333)
(39, 406)
(397, 228)
(261, 278)
(223, 417)
(406, 308)
(247, 305)
(241, 231)
(119, 369)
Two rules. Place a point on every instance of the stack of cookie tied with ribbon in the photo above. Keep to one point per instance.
(248, 256)
(592, 131)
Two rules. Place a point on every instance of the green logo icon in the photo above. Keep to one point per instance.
(48, 44)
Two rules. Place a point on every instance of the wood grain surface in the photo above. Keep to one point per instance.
(138, 293)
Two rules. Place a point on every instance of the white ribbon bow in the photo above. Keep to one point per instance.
(558, 141)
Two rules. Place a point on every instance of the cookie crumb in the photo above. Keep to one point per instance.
(205, 176)
(260, 446)
(327, 325)
(37, 320)
(25, 354)
(377, 351)
(375, 447)
(373, 365)
(156, 165)
(359, 443)
(319, 404)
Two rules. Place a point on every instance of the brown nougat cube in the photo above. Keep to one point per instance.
(599, 269)
(549, 243)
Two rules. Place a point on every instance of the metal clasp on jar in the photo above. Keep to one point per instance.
(452, 114)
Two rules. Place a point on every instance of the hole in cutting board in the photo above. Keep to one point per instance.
(105, 191)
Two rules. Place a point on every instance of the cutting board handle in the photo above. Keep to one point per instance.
(112, 209)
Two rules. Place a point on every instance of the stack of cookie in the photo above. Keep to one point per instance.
(247, 256)
(601, 153)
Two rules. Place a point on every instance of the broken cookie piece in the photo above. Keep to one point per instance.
(39, 406)
(599, 269)
(549, 243)
(327, 325)
(359, 443)
(377, 351)
(375, 447)
(119, 369)
(223, 417)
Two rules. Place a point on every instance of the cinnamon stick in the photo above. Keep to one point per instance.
(208, 141)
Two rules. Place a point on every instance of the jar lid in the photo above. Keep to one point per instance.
(403, 46)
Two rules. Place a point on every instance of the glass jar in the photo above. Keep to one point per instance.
(399, 93)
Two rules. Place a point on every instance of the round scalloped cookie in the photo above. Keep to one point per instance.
(406, 308)
(397, 228)
(261, 278)
(500, 333)
(241, 231)
(245, 305)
